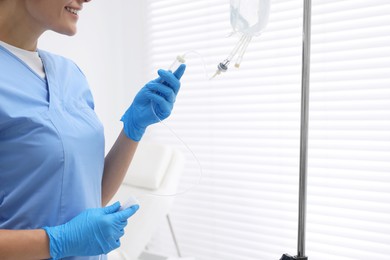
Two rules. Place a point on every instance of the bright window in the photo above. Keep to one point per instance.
(243, 127)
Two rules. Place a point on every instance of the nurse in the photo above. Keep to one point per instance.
(55, 179)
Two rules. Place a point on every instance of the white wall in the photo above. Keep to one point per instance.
(105, 50)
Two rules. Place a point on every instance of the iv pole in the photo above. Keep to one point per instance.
(304, 134)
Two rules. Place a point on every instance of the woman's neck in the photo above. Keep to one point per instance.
(15, 28)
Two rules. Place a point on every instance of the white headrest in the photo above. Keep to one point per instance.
(149, 165)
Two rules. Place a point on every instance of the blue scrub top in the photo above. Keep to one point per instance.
(51, 144)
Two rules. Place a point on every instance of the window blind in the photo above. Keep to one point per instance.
(243, 127)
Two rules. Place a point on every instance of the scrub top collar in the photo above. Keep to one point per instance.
(24, 63)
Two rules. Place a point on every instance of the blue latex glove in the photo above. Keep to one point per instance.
(154, 102)
(92, 232)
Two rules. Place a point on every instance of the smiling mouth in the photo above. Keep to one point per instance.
(71, 10)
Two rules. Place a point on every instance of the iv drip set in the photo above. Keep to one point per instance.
(248, 19)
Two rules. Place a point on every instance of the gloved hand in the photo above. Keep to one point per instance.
(154, 102)
(92, 232)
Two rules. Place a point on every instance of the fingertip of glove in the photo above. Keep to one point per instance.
(133, 208)
(180, 71)
(161, 72)
(182, 66)
(112, 208)
(128, 212)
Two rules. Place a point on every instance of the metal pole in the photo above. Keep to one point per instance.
(304, 134)
(173, 236)
(304, 128)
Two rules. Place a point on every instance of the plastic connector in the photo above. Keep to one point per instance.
(222, 67)
(181, 59)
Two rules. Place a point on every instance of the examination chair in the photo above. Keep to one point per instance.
(155, 169)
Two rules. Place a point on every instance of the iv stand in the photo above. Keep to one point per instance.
(304, 134)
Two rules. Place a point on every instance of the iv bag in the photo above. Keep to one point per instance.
(248, 18)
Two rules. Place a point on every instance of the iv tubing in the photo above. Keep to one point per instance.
(236, 48)
(180, 59)
(193, 155)
(243, 50)
(240, 47)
